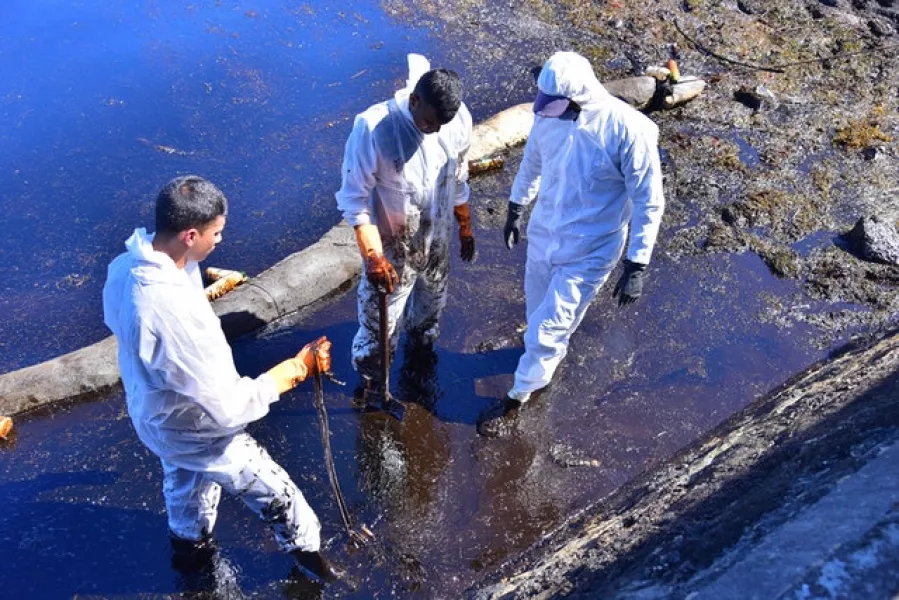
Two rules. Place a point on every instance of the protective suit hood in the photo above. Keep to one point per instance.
(184, 395)
(570, 75)
(146, 267)
(151, 266)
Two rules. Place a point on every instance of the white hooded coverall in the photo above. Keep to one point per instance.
(187, 402)
(597, 176)
(407, 183)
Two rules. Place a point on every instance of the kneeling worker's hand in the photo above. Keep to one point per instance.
(314, 357)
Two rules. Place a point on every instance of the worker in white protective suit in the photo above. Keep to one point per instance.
(405, 175)
(592, 162)
(188, 404)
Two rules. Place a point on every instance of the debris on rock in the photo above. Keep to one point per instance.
(756, 98)
(875, 239)
(658, 83)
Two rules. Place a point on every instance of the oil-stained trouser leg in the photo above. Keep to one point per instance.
(191, 501)
(428, 298)
(557, 300)
(245, 470)
(366, 343)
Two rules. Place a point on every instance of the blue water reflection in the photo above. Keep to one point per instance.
(105, 102)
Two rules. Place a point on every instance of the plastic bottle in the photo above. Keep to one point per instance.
(675, 72)
(485, 164)
(214, 273)
(5, 427)
(224, 285)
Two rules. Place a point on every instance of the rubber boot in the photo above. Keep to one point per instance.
(499, 420)
(194, 561)
(315, 566)
(190, 555)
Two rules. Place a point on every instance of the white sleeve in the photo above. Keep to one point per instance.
(642, 170)
(463, 192)
(358, 175)
(198, 365)
(527, 180)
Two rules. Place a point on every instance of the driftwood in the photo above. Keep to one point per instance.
(642, 92)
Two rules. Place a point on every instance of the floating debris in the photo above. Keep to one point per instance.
(164, 149)
(5, 427)
(72, 280)
(564, 456)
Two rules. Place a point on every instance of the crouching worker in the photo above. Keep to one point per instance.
(188, 404)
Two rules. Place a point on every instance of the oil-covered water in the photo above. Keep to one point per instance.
(112, 102)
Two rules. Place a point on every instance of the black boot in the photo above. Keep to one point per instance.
(367, 395)
(315, 566)
(190, 555)
(499, 420)
(194, 561)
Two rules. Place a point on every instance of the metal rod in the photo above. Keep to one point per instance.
(385, 347)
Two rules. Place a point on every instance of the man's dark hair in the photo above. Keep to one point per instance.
(442, 90)
(188, 202)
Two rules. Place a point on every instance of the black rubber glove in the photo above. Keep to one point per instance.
(467, 248)
(630, 285)
(512, 230)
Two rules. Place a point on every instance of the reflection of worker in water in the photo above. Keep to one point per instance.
(404, 175)
(188, 404)
(595, 162)
(400, 464)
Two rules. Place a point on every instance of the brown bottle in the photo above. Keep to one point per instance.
(214, 273)
(485, 164)
(675, 72)
(5, 427)
(224, 285)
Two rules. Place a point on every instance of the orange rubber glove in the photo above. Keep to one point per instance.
(466, 237)
(289, 373)
(378, 269)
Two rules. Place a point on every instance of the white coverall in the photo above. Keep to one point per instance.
(188, 404)
(597, 176)
(407, 183)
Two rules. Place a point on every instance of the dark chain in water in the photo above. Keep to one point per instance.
(411, 569)
(325, 429)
